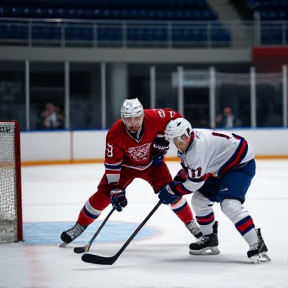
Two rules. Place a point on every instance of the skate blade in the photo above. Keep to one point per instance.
(260, 258)
(205, 251)
(63, 245)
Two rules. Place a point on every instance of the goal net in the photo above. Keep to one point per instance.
(10, 183)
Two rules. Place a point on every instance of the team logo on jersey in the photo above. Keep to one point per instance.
(139, 153)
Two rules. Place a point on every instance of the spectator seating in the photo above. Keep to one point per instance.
(109, 9)
(108, 34)
(271, 13)
(270, 10)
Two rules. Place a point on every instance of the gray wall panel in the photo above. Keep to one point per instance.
(127, 55)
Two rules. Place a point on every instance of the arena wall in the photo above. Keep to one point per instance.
(63, 147)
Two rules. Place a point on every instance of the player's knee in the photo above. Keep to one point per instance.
(198, 201)
(231, 207)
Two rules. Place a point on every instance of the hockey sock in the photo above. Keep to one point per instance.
(206, 222)
(182, 210)
(88, 214)
(246, 228)
(241, 218)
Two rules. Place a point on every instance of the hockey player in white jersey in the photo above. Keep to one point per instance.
(217, 167)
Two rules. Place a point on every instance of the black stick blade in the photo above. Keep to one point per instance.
(79, 250)
(95, 259)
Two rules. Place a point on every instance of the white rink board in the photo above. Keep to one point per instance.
(90, 145)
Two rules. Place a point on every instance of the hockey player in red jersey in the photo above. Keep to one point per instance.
(217, 167)
(135, 148)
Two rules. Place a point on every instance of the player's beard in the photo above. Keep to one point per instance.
(133, 124)
(133, 128)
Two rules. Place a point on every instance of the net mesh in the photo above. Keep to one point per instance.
(8, 190)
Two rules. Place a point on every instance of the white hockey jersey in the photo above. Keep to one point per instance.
(213, 153)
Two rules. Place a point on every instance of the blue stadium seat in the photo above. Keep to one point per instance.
(124, 14)
(46, 32)
(76, 32)
(106, 33)
(110, 9)
(13, 32)
(16, 12)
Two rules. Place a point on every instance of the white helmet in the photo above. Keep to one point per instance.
(178, 127)
(131, 108)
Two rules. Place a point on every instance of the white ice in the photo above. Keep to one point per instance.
(57, 193)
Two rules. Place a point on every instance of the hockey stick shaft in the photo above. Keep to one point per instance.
(95, 259)
(87, 247)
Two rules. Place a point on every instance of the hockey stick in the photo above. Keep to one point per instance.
(95, 259)
(87, 247)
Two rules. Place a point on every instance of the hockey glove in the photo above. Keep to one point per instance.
(118, 199)
(160, 145)
(157, 160)
(166, 195)
(181, 176)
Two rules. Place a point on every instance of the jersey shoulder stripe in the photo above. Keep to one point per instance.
(237, 156)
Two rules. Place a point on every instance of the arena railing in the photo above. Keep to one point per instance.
(123, 34)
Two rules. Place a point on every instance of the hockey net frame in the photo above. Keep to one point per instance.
(11, 223)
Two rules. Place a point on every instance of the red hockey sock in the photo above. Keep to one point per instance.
(182, 210)
(84, 219)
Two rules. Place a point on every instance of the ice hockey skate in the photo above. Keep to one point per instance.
(207, 245)
(194, 229)
(258, 251)
(72, 233)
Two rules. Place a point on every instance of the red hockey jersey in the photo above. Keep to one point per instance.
(122, 150)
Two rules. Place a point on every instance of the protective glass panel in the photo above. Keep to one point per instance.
(166, 92)
(47, 95)
(12, 92)
(269, 100)
(233, 90)
(85, 96)
(139, 86)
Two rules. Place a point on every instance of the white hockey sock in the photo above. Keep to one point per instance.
(234, 210)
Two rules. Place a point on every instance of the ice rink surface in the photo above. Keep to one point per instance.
(158, 257)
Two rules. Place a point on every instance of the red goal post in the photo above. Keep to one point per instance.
(11, 224)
